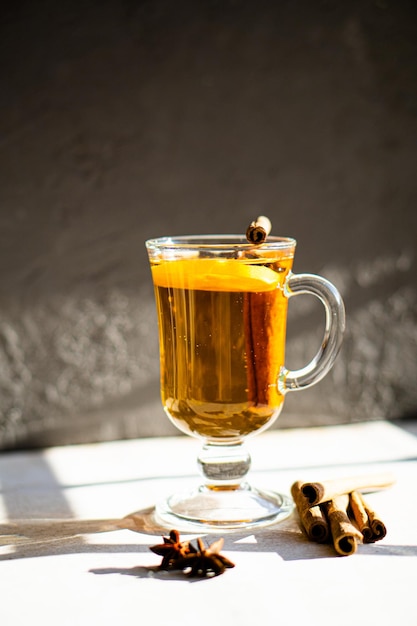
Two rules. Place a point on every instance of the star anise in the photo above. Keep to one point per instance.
(172, 549)
(205, 561)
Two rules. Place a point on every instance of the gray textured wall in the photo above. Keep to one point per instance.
(125, 120)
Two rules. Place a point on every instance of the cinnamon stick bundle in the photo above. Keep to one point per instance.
(342, 517)
(317, 493)
(369, 524)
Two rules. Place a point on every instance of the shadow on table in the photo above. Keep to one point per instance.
(149, 572)
(34, 538)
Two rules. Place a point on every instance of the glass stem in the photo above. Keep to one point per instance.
(224, 466)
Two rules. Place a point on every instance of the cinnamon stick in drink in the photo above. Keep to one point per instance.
(317, 493)
(371, 527)
(258, 230)
(263, 317)
(312, 518)
(345, 535)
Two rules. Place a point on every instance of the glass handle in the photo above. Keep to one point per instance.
(318, 367)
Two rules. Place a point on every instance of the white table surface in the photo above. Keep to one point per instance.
(76, 525)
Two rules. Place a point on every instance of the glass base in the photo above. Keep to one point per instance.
(211, 510)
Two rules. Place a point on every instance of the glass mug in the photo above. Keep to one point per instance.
(222, 311)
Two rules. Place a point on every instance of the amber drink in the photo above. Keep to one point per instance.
(222, 325)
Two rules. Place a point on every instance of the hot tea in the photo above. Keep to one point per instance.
(222, 325)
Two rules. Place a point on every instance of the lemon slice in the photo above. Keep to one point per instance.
(214, 275)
